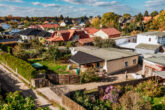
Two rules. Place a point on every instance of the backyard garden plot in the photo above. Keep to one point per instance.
(57, 67)
(148, 95)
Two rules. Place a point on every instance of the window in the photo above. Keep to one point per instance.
(149, 40)
(126, 64)
(134, 61)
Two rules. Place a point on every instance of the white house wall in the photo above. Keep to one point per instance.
(145, 39)
(101, 34)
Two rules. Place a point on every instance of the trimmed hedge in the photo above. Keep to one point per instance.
(23, 68)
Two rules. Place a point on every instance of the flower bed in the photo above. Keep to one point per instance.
(146, 95)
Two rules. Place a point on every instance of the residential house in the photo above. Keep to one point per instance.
(86, 42)
(107, 33)
(45, 26)
(67, 35)
(10, 41)
(31, 33)
(152, 64)
(154, 38)
(91, 31)
(148, 42)
(146, 19)
(110, 60)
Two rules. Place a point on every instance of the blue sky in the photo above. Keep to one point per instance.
(76, 8)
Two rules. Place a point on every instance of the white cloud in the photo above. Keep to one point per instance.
(80, 1)
(45, 5)
(18, 1)
(103, 4)
(155, 4)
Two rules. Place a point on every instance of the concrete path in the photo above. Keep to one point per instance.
(20, 86)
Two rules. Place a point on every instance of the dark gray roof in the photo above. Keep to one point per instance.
(148, 46)
(84, 58)
(9, 40)
(154, 33)
(160, 74)
(34, 32)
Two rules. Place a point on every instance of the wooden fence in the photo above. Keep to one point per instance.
(63, 79)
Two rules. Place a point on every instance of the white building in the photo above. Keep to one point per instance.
(153, 38)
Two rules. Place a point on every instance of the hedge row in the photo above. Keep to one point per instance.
(23, 68)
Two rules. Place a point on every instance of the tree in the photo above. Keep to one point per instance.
(110, 19)
(53, 53)
(95, 22)
(139, 17)
(154, 13)
(126, 16)
(161, 20)
(146, 13)
(15, 101)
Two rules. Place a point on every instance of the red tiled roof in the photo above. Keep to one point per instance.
(147, 18)
(66, 35)
(86, 40)
(91, 30)
(111, 31)
(49, 26)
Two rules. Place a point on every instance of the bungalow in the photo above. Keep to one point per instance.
(107, 33)
(152, 64)
(67, 35)
(30, 34)
(110, 60)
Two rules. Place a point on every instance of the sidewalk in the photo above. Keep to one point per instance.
(41, 101)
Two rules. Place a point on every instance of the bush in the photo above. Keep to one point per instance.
(15, 101)
(149, 88)
(89, 76)
(133, 101)
(23, 68)
(112, 94)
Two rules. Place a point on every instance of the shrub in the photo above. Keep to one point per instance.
(23, 68)
(149, 88)
(111, 94)
(89, 76)
(133, 101)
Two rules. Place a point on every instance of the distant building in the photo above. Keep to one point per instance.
(45, 26)
(30, 34)
(110, 60)
(107, 33)
(154, 38)
(91, 31)
(67, 35)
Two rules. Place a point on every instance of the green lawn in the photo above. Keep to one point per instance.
(56, 67)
